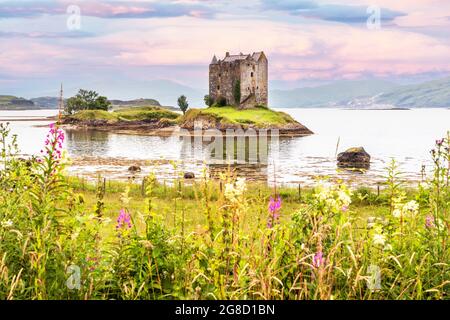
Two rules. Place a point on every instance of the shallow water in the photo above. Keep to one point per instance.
(406, 135)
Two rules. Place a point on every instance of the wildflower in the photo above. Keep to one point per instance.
(411, 206)
(439, 142)
(429, 222)
(397, 213)
(274, 211)
(370, 222)
(344, 197)
(379, 239)
(7, 223)
(54, 142)
(124, 220)
(318, 259)
(344, 208)
(274, 205)
(235, 190)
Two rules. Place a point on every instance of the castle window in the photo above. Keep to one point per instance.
(257, 88)
(218, 87)
(251, 74)
(220, 75)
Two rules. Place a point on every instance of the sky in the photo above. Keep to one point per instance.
(124, 47)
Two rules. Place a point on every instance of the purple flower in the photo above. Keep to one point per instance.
(439, 142)
(124, 220)
(274, 205)
(318, 259)
(429, 222)
(344, 208)
(274, 211)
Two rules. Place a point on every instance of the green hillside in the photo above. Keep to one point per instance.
(432, 94)
(15, 103)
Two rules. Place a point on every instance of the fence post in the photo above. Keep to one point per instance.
(299, 191)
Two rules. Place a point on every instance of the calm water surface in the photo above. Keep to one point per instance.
(406, 135)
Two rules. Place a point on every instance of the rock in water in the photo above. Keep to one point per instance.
(134, 169)
(189, 175)
(354, 158)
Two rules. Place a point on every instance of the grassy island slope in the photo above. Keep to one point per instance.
(223, 118)
(133, 115)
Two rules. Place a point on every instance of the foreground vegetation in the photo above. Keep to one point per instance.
(225, 239)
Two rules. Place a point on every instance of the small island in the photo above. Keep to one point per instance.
(237, 99)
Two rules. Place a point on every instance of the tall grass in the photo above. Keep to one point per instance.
(225, 239)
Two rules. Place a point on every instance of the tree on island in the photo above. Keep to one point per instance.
(209, 101)
(86, 100)
(183, 103)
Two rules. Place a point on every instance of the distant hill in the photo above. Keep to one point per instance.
(432, 94)
(335, 94)
(46, 102)
(136, 102)
(119, 104)
(15, 103)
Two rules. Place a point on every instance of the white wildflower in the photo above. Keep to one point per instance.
(235, 190)
(229, 191)
(411, 207)
(397, 213)
(344, 197)
(240, 186)
(7, 223)
(379, 239)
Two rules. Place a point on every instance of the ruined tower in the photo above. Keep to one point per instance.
(242, 77)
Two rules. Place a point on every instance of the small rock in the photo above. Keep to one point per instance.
(134, 169)
(189, 175)
(354, 158)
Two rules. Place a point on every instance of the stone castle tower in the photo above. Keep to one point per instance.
(242, 77)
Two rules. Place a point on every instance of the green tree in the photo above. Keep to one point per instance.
(86, 100)
(183, 103)
(209, 101)
(237, 93)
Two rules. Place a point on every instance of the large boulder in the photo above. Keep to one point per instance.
(134, 169)
(354, 158)
(189, 175)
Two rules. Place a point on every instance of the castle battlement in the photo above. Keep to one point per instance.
(242, 76)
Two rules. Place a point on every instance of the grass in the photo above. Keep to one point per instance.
(218, 239)
(259, 117)
(146, 113)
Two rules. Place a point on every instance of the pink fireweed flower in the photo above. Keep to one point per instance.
(429, 222)
(440, 142)
(124, 220)
(274, 211)
(318, 259)
(344, 208)
(54, 142)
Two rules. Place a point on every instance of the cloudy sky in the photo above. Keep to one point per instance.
(123, 46)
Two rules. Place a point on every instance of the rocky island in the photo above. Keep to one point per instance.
(237, 99)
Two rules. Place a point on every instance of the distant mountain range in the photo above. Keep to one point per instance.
(366, 94)
(432, 94)
(12, 102)
(362, 94)
(15, 103)
(330, 95)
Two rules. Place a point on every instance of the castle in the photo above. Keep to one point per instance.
(240, 80)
